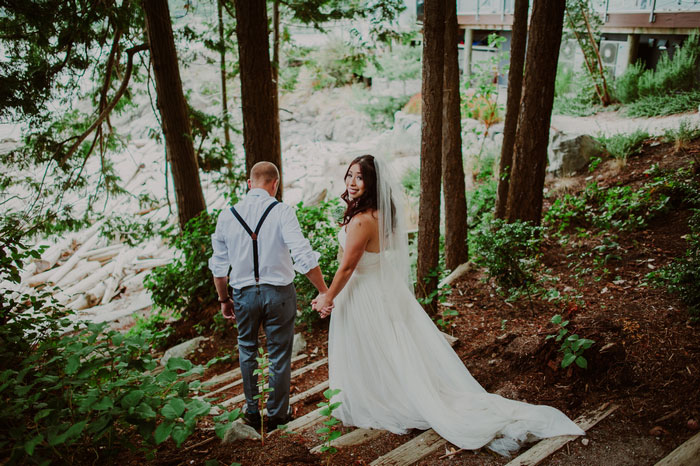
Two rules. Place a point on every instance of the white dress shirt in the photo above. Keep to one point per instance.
(279, 235)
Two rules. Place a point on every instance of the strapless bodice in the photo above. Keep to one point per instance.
(368, 262)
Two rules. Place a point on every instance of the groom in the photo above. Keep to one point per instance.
(255, 238)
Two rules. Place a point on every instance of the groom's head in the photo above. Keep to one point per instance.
(264, 175)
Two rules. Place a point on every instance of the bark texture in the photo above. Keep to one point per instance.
(456, 251)
(515, 87)
(173, 111)
(222, 55)
(532, 135)
(261, 131)
(431, 151)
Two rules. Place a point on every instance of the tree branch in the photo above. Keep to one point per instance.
(108, 71)
(129, 65)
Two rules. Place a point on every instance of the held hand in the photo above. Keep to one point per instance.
(325, 312)
(323, 305)
(227, 310)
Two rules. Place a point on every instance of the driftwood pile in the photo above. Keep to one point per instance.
(86, 274)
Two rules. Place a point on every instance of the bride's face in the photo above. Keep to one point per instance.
(354, 182)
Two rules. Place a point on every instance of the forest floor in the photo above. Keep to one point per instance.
(646, 356)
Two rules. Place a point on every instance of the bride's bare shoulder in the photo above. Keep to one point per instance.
(368, 218)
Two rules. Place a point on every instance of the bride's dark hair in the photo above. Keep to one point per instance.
(369, 199)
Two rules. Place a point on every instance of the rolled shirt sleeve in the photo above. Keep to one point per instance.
(219, 261)
(304, 257)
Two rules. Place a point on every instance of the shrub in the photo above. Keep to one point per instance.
(626, 89)
(186, 281)
(583, 101)
(673, 74)
(508, 252)
(131, 231)
(682, 277)
(667, 104)
(481, 202)
(89, 390)
(320, 226)
(381, 109)
(337, 63)
(411, 182)
(621, 146)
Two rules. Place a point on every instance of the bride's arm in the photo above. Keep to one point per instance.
(359, 232)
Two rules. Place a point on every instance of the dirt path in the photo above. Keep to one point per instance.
(609, 123)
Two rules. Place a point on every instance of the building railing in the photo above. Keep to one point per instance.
(505, 7)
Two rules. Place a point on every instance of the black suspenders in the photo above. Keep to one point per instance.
(254, 235)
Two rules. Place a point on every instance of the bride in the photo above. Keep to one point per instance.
(393, 366)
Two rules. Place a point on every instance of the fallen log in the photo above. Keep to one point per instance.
(81, 270)
(111, 286)
(91, 281)
(91, 240)
(103, 254)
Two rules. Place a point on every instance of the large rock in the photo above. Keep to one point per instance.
(182, 350)
(299, 344)
(240, 431)
(569, 153)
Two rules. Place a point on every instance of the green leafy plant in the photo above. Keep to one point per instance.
(626, 86)
(337, 63)
(262, 372)
(622, 146)
(508, 251)
(672, 87)
(329, 432)
(665, 104)
(130, 230)
(576, 95)
(444, 321)
(381, 109)
(186, 281)
(69, 388)
(682, 136)
(319, 224)
(682, 276)
(572, 345)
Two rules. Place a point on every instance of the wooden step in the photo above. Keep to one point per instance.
(355, 437)
(296, 373)
(412, 451)
(309, 393)
(235, 375)
(305, 421)
(687, 454)
(546, 447)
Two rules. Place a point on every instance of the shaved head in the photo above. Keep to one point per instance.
(264, 173)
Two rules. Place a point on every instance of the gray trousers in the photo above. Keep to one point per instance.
(273, 307)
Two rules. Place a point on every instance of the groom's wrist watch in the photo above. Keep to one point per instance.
(225, 300)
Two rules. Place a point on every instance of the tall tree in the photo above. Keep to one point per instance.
(515, 86)
(532, 135)
(222, 63)
(431, 151)
(456, 251)
(261, 131)
(173, 111)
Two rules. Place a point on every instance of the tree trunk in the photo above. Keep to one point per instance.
(532, 135)
(261, 130)
(515, 87)
(431, 151)
(222, 53)
(275, 44)
(173, 111)
(456, 251)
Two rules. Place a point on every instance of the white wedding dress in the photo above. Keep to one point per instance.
(397, 372)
